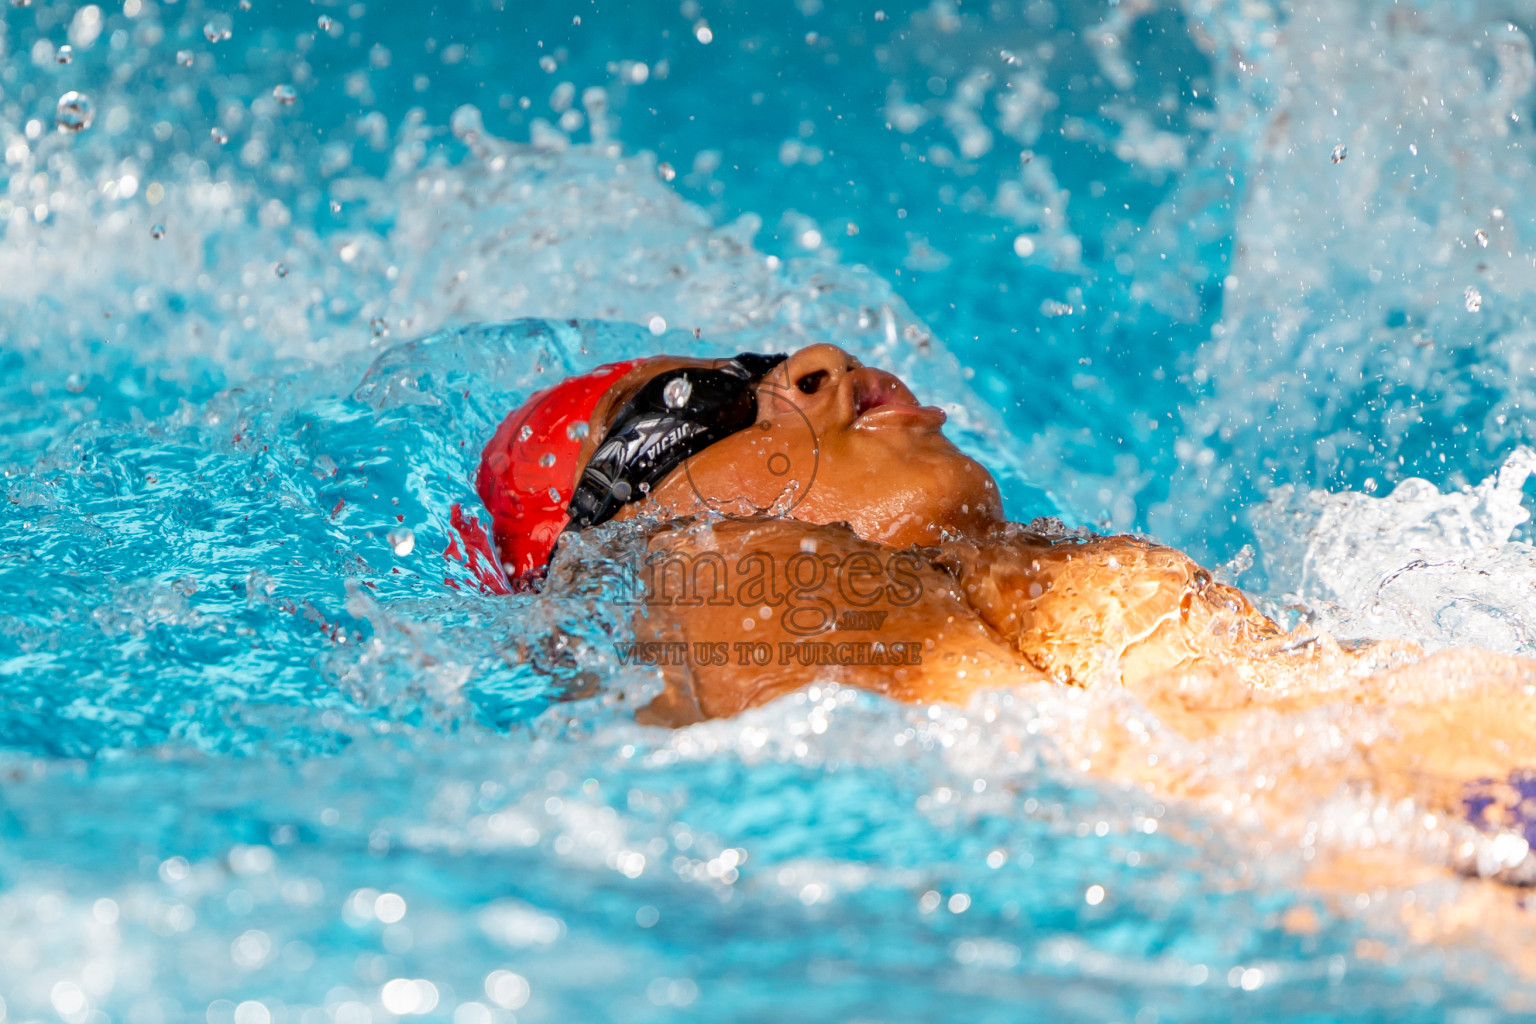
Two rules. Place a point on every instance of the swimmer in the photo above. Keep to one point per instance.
(810, 522)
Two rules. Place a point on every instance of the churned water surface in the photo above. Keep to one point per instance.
(1251, 277)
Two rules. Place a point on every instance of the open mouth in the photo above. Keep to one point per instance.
(881, 397)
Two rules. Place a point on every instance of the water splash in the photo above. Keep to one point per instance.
(1437, 568)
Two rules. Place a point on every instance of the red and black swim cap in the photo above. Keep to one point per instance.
(527, 476)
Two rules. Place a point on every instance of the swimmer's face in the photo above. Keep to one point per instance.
(834, 441)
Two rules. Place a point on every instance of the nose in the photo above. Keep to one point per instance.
(814, 370)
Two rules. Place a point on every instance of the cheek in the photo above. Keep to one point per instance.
(902, 495)
(749, 472)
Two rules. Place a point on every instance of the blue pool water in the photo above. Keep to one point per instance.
(1227, 273)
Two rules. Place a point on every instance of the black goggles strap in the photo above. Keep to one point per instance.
(676, 415)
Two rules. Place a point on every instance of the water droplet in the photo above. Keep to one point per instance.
(402, 541)
(158, 231)
(245, 5)
(184, 58)
(335, 206)
(1024, 246)
(1474, 299)
(218, 135)
(74, 384)
(578, 431)
(547, 459)
(1482, 237)
(378, 327)
(621, 490)
(702, 32)
(280, 269)
(1339, 153)
(677, 392)
(1009, 57)
(666, 170)
(74, 113)
(658, 325)
(554, 494)
(325, 22)
(285, 94)
(65, 55)
(525, 432)
(217, 29)
(548, 63)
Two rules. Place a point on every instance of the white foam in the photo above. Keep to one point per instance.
(1438, 568)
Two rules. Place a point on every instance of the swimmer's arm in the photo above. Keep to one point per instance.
(1105, 607)
(800, 603)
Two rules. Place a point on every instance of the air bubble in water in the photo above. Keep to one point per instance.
(285, 94)
(1009, 57)
(325, 22)
(184, 58)
(245, 5)
(280, 269)
(1482, 237)
(21, 3)
(74, 113)
(335, 206)
(378, 327)
(217, 29)
(65, 55)
(677, 392)
(547, 459)
(402, 541)
(1474, 299)
(703, 33)
(1339, 153)
(548, 63)
(219, 135)
(158, 231)
(525, 433)
(666, 170)
(578, 431)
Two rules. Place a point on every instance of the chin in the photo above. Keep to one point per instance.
(921, 516)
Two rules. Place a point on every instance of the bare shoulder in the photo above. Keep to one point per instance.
(756, 609)
(1091, 609)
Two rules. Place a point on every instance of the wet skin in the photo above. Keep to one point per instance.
(845, 469)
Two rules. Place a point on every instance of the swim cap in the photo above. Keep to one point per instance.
(528, 470)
